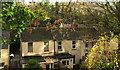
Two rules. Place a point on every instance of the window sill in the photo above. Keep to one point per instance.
(74, 49)
(46, 51)
(86, 47)
(30, 52)
(59, 49)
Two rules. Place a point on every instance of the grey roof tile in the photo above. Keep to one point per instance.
(25, 59)
(40, 34)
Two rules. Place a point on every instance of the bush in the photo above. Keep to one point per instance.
(33, 65)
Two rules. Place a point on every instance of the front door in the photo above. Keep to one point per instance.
(47, 67)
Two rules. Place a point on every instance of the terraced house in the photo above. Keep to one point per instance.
(56, 53)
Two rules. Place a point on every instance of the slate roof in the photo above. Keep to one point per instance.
(25, 59)
(6, 36)
(40, 34)
(63, 56)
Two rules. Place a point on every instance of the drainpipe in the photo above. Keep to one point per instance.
(20, 53)
(54, 47)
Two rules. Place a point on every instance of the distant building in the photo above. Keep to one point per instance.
(4, 62)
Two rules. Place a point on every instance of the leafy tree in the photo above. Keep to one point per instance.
(33, 65)
(17, 16)
(106, 15)
(102, 55)
(110, 19)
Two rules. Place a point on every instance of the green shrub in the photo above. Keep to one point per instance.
(33, 65)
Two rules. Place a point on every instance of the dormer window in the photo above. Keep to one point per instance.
(46, 48)
(59, 45)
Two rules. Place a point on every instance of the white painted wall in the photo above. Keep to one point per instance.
(66, 47)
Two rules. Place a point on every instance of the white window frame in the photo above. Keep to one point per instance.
(66, 62)
(30, 46)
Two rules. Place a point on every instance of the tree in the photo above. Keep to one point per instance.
(102, 55)
(107, 17)
(33, 65)
(15, 17)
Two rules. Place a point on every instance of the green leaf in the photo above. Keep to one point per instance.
(7, 10)
(29, 10)
(14, 40)
(33, 14)
(11, 27)
(36, 16)
(5, 40)
(1, 14)
(26, 8)
(43, 15)
(36, 6)
(22, 21)
(11, 13)
(23, 28)
(46, 18)
(16, 35)
(20, 30)
(40, 10)
(2, 43)
(0, 20)
(3, 28)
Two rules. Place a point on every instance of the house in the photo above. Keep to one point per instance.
(4, 61)
(59, 53)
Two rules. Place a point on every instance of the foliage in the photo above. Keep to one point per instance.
(102, 55)
(33, 65)
(106, 15)
(60, 14)
(15, 17)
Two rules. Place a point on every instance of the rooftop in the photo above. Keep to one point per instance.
(25, 59)
(41, 34)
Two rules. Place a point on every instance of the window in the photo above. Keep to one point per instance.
(74, 59)
(73, 44)
(59, 45)
(46, 46)
(30, 47)
(65, 62)
(86, 45)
